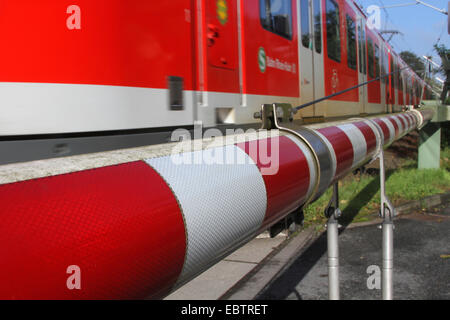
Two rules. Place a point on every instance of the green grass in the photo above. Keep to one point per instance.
(360, 195)
(445, 159)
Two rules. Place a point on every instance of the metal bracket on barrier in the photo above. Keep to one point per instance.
(272, 115)
(332, 212)
(283, 111)
(419, 118)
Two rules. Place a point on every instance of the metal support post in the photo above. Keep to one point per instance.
(388, 260)
(333, 212)
(387, 212)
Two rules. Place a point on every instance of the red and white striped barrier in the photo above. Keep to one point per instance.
(143, 228)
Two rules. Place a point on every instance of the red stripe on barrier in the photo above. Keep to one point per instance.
(410, 119)
(369, 135)
(121, 225)
(407, 117)
(289, 186)
(403, 121)
(385, 130)
(394, 123)
(342, 146)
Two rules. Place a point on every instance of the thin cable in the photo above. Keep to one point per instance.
(349, 89)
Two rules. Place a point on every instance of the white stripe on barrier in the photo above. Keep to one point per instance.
(407, 120)
(223, 205)
(411, 120)
(358, 141)
(399, 124)
(402, 127)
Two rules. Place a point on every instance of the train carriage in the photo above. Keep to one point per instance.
(114, 66)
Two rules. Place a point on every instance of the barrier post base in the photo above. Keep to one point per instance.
(387, 212)
(332, 212)
(430, 146)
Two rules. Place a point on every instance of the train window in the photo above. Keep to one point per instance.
(370, 58)
(276, 17)
(351, 42)
(396, 76)
(385, 67)
(333, 36)
(381, 65)
(317, 26)
(400, 81)
(387, 71)
(175, 85)
(360, 49)
(304, 13)
(393, 76)
(377, 61)
(364, 59)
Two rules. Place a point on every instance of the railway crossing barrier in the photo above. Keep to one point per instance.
(142, 222)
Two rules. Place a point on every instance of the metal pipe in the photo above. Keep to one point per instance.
(388, 260)
(333, 258)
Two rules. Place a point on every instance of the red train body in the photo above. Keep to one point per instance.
(93, 66)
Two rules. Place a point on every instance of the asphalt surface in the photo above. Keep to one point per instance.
(421, 262)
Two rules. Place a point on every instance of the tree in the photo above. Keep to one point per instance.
(412, 60)
(444, 53)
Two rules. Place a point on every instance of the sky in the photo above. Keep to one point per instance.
(421, 26)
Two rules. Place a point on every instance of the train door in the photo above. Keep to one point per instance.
(219, 81)
(384, 65)
(319, 83)
(401, 97)
(394, 87)
(310, 52)
(392, 79)
(306, 54)
(362, 70)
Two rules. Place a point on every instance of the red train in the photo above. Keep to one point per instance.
(83, 66)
